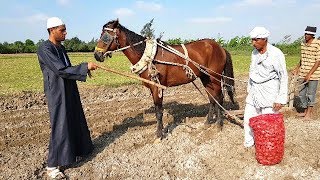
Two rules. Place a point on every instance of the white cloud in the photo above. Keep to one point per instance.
(63, 2)
(255, 3)
(28, 19)
(123, 12)
(149, 6)
(210, 20)
(37, 18)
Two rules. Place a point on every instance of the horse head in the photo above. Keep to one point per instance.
(108, 40)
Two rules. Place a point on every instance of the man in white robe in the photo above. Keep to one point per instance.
(268, 81)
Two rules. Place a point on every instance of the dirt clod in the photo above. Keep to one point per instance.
(123, 125)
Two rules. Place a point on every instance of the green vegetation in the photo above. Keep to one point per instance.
(21, 72)
(72, 45)
(239, 45)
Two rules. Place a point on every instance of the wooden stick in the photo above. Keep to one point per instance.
(134, 77)
(292, 88)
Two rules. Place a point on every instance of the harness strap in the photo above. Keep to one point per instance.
(98, 49)
(185, 53)
(201, 68)
(123, 48)
(109, 29)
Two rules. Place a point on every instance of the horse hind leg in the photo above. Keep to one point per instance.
(230, 91)
(215, 96)
(219, 116)
(215, 112)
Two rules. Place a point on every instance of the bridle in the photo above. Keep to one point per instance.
(108, 39)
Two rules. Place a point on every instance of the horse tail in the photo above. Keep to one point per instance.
(228, 78)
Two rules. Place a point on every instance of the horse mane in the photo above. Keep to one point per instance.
(131, 36)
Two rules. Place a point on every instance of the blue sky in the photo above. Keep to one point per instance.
(26, 19)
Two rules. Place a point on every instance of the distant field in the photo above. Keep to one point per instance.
(21, 72)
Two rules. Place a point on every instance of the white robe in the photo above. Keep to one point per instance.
(268, 84)
(268, 78)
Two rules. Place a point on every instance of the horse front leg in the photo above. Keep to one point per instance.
(159, 112)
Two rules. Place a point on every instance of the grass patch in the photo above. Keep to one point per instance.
(241, 63)
(21, 72)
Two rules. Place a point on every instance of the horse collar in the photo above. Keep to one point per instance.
(147, 57)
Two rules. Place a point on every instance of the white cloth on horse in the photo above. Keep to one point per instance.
(259, 32)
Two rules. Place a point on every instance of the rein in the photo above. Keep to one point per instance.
(134, 77)
(121, 49)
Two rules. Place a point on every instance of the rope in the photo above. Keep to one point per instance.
(134, 77)
(302, 84)
(227, 112)
(199, 66)
(123, 48)
(235, 118)
(189, 71)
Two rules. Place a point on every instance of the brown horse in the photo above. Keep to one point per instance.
(210, 61)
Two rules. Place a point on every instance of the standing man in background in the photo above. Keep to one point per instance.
(70, 136)
(308, 71)
(268, 81)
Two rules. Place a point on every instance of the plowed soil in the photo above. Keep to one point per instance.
(122, 125)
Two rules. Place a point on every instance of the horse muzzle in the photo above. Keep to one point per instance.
(99, 56)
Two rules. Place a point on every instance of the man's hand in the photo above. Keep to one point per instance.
(92, 66)
(277, 106)
(295, 71)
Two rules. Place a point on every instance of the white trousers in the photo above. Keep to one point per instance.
(249, 112)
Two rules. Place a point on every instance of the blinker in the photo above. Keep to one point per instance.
(106, 38)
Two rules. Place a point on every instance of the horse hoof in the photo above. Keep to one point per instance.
(206, 125)
(208, 122)
(219, 128)
(160, 134)
(157, 141)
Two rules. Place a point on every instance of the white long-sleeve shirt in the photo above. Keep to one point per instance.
(268, 78)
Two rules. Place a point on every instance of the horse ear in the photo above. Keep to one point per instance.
(116, 23)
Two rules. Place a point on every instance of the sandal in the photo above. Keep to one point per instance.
(55, 173)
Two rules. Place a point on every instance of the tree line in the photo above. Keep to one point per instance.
(236, 44)
(72, 45)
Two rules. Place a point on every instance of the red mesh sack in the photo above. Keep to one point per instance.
(269, 134)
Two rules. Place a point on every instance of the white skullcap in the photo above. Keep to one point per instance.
(259, 32)
(54, 22)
